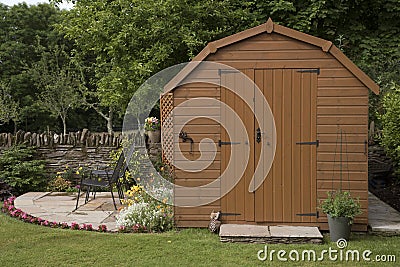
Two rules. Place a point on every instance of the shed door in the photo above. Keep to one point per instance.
(288, 193)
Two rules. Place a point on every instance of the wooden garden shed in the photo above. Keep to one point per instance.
(314, 91)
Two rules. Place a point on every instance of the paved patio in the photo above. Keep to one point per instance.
(59, 207)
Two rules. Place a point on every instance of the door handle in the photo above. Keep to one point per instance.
(258, 135)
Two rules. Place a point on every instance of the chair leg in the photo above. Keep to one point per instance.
(79, 193)
(112, 195)
(87, 194)
(120, 192)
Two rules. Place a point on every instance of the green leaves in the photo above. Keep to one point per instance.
(341, 204)
(390, 121)
(9, 107)
(19, 169)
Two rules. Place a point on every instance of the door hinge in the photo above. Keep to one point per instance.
(220, 71)
(317, 71)
(229, 214)
(316, 143)
(220, 143)
(309, 214)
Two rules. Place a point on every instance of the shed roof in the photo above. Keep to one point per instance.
(270, 27)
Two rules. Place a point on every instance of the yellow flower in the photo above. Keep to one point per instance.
(77, 172)
(158, 207)
(66, 166)
(60, 172)
(136, 198)
(162, 169)
(80, 168)
(165, 200)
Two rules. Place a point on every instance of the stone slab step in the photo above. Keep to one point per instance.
(270, 234)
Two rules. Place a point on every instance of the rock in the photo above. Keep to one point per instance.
(77, 136)
(56, 138)
(45, 139)
(84, 136)
(9, 140)
(106, 140)
(38, 142)
(33, 139)
(27, 138)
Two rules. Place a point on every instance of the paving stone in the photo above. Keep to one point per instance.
(31, 195)
(295, 231)
(382, 218)
(242, 230)
(21, 202)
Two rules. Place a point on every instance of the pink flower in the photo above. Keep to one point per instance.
(102, 228)
(74, 226)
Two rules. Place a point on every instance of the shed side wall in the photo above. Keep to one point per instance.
(196, 129)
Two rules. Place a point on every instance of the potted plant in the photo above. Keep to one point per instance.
(152, 126)
(341, 209)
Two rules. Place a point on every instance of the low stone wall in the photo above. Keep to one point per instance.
(75, 149)
(51, 139)
(57, 158)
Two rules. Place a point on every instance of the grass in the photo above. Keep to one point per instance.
(23, 244)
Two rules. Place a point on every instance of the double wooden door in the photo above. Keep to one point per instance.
(288, 191)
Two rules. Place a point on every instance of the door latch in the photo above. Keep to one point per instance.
(258, 135)
(185, 137)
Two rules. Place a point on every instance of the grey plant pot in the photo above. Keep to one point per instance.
(339, 228)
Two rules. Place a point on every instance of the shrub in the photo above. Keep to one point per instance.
(64, 180)
(6, 190)
(59, 184)
(390, 121)
(20, 170)
(341, 204)
(144, 213)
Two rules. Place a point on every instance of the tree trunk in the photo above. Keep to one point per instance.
(139, 125)
(64, 121)
(15, 126)
(110, 121)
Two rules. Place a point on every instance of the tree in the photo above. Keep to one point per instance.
(9, 108)
(20, 26)
(59, 83)
(131, 40)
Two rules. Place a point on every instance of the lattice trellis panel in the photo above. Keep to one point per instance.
(167, 131)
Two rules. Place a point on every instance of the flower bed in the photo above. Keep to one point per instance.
(143, 213)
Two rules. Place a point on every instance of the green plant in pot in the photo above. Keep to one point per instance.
(341, 209)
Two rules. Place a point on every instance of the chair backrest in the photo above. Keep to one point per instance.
(121, 167)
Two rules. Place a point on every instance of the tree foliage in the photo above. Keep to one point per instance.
(117, 44)
(58, 82)
(391, 122)
(9, 107)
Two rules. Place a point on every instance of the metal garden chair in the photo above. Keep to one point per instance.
(105, 179)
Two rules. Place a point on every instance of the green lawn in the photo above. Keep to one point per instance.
(23, 244)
